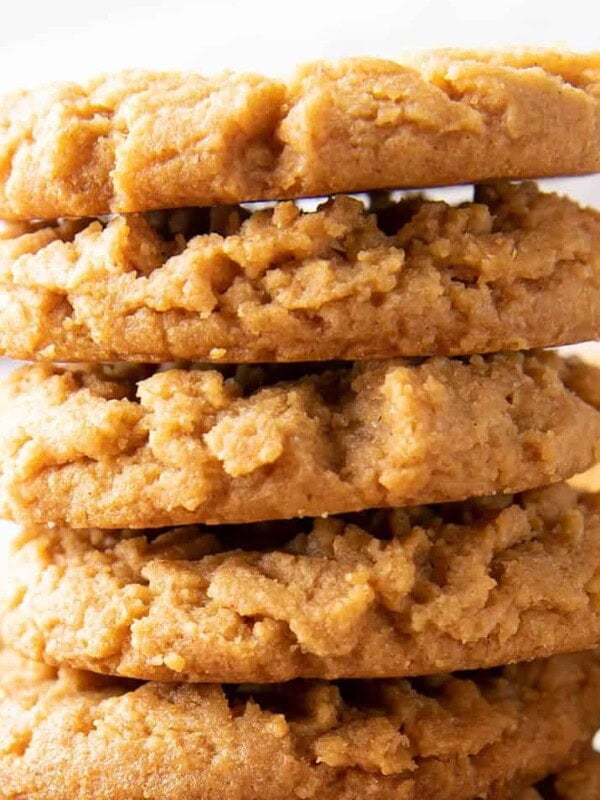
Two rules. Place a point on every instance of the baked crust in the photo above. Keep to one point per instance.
(138, 140)
(581, 781)
(96, 448)
(514, 270)
(75, 735)
(382, 594)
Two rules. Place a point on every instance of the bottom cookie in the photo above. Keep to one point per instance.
(71, 735)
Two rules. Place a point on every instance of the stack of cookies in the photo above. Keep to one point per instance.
(301, 467)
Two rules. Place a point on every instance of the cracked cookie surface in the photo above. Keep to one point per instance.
(101, 447)
(381, 594)
(73, 735)
(516, 269)
(139, 140)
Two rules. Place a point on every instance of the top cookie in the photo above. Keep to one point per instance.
(138, 140)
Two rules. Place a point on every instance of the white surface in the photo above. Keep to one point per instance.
(71, 39)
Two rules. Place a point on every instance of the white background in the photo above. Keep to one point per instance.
(65, 40)
(69, 40)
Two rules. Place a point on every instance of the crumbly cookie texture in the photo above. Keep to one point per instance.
(516, 269)
(580, 782)
(72, 736)
(136, 141)
(384, 594)
(94, 448)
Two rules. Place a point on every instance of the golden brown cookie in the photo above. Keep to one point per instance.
(580, 782)
(93, 448)
(516, 269)
(588, 481)
(382, 594)
(76, 735)
(138, 140)
(530, 793)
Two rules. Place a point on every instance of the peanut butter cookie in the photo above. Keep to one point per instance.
(516, 269)
(383, 594)
(96, 448)
(578, 782)
(138, 140)
(73, 735)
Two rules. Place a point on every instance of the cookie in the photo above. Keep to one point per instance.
(382, 594)
(136, 141)
(75, 735)
(588, 481)
(578, 782)
(95, 448)
(514, 270)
